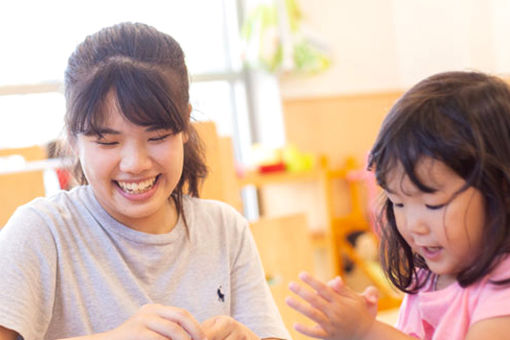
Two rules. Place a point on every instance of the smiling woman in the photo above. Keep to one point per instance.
(125, 254)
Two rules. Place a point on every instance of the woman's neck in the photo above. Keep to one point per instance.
(160, 222)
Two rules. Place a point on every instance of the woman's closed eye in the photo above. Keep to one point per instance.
(160, 137)
(106, 143)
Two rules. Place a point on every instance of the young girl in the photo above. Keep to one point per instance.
(443, 159)
(128, 255)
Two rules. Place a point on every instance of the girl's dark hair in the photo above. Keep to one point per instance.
(463, 120)
(145, 71)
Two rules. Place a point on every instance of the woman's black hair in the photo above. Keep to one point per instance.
(463, 120)
(145, 71)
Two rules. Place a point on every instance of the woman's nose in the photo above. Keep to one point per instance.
(135, 159)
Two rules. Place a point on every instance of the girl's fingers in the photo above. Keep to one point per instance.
(371, 294)
(306, 310)
(337, 284)
(311, 297)
(314, 332)
(321, 288)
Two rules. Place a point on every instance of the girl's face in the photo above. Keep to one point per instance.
(133, 170)
(446, 230)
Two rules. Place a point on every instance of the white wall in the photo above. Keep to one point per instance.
(392, 44)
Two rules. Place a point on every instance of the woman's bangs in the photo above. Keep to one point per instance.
(87, 113)
(146, 99)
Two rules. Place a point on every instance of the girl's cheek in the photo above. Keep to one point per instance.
(400, 222)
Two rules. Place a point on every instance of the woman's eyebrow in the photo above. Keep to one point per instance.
(108, 131)
(155, 128)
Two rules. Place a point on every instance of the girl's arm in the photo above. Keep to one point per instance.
(7, 334)
(494, 328)
(339, 313)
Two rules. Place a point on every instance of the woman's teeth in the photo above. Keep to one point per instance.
(137, 188)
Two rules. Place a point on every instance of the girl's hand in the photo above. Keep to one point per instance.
(340, 313)
(371, 294)
(224, 327)
(158, 322)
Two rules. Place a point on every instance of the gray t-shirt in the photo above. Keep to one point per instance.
(69, 269)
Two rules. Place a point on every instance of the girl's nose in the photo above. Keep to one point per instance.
(135, 160)
(416, 224)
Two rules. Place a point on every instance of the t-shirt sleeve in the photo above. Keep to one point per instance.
(252, 302)
(494, 299)
(28, 273)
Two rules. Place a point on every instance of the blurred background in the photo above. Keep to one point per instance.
(366, 46)
(288, 95)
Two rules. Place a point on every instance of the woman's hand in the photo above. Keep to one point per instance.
(339, 312)
(158, 322)
(224, 327)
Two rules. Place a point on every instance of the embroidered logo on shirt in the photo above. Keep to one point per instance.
(221, 296)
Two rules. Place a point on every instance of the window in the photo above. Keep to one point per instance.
(39, 36)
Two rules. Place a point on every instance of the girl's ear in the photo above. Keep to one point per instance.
(185, 135)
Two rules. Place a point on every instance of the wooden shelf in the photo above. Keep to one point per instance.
(257, 179)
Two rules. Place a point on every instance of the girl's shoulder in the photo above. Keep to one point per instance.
(502, 269)
(492, 297)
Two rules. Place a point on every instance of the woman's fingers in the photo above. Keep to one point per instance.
(184, 319)
(215, 329)
(168, 329)
(226, 328)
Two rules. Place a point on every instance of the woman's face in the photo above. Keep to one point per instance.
(133, 170)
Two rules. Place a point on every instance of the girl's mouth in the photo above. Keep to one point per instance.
(431, 253)
(137, 188)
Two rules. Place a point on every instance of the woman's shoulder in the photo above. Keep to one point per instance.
(209, 206)
(212, 214)
(43, 210)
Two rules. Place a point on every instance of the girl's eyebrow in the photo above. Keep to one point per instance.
(388, 190)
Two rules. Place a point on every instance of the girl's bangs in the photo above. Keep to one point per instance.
(402, 146)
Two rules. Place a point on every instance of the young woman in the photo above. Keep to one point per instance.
(132, 253)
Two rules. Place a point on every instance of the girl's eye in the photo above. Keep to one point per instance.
(398, 205)
(434, 207)
(106, 143)
(159, 138)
